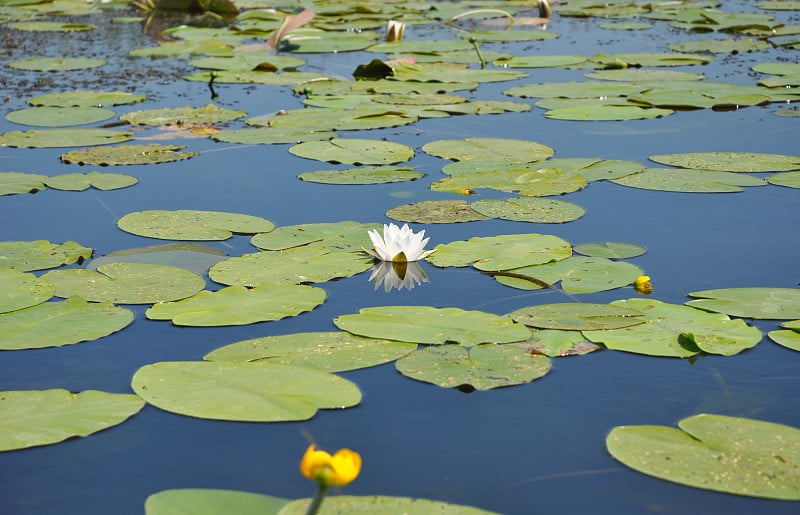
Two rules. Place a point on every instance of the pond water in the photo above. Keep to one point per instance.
(534, 448)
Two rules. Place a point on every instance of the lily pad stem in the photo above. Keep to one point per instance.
(322, 490)
(478, 51)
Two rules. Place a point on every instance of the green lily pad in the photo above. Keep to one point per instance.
(15, 183)
(272, 135)
(256, 77)
(451, 72)
(55, 138)
(251, 60)
(582, 89)
(331, 118)
(731, 161)
(555, 343)
(577, 274)
(195, 257)
(435, 212)
(787, 179)
(53, 324)
(531, 180)
(192, 224)
(504, 252)
(679, 331)
(182, 115)
(720, 46)
(626, 26)
(760, 303)
(433, 326)
(688, 181)
(529, 209)
(242, 391)
(610, 250)
(20, 290)
(128, 155)
(786, 337)
(643, 75)
(354, 151)
(714, 452)
(237, 305)
(650, 59)
(482, 367)
(30, 418)
(363, 175)
(211, 502)
(604, 112)
(331, 351)
(185, 48)
(59, 64)
(59, 116)
(126, 283)
(51, 26)
(82, 98)
(541, 61)
(368, 505)
(577, 316)
(515, 150)
(41, 254)
(339, 236)
(84, 181)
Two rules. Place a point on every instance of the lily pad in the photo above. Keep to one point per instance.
(577, 274)
(15, 183)
(541, 61)
(528, 180)
(577, 316)
(555, 343)
(53, 324)
(720, 46)
(51, 26)
(182, 115)
(20, 290)
(504, 252)
(679, 331)
(786, 179)
(53, 64)
(529, 209)
(339, 236)
(192, 224)
(714, 452)
(86, 99)
(126, 283)
(330, 351)
(242, 391)
(363, 175)
(41, 254)
(328, 119)
(55, 138)
(368, 505)
(786, 337)
(689, 181)
(433, 326)
(354, 151)
(610, 250)
(515, 150)
(272, 135)
(128, 155)
(59, 116)
(731, 161)
(604, 112)
(760, 303)
(195, 257)
(237, 305)
(435, 212)
(482, 367)
(84, 181)
(211, 502)
(30, 418)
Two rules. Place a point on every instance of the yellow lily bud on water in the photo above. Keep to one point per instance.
(337, 470)
(642, 285)
(394, 31)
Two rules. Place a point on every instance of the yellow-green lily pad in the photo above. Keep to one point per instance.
(56, 138)
(19, 290)
(46, 116)
(344, 236)
(435, 212)
(128, 155)
(187, 115)
(577, 316)
(368, 505)
(514, 150)
(760, 303)
(363, 175)
(731, 161)
(192, 224)
(689, 181)
(211, 502)
(41, 254)
(15, 183)
(354, 151)
(610, 250)
(84, 181)
(85, 98)
(787, 179)
(51, 64)
(577, 274)
(529, 209)
(504, 252)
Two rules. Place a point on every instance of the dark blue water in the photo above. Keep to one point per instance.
(536, 448)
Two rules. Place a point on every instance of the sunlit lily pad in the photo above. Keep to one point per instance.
(678, 331)
(354, 151)
(731, 161)
(363, 175)
(86, 99)
(449, 72)
(41, 254)
(788, 338)
(49, 64)
(603, 112)
(192, 224)
(650, 59)
(195, 257)
(55, 138)
(515, 150)
(286, 78)
(84, 181)
(128, 155)
(787, 179)
(435, 212)
(504, 252)
(250, 60)
(760, 303)
(541, 61)
(368, 505)
(340, 236)
(59, 116)
(720, 46)
(272, 135)
(626, 26)
(529, 209)
(582, 89)
(526, 180)
(53, 324)
(51, 26)
(557, 343)
(482, 367)
(29, 418)
(182, 115)
(185, 48)
(14, 183)
(433, 326)
(689, 181)
(340, 119)
(610, 250)
(714, 452)
(243, 391)
(643, 75)
(577, 316)
(237, 305)
(211, 502)
(577, 274)
(20, 290)
(331, 351)
(126, 283)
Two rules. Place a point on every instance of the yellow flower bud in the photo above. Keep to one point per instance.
(642, 285)
(337, 470)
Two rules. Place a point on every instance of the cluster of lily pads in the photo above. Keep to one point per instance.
(290, 377)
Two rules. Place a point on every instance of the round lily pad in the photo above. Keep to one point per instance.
(529, 209)
(128, 155)
(514, 150)
(52, 64)
(86, 99)
(41, 254)
(731, 161)
(272, 135)
(182, 115)
(504, 252)
(688, 181)
(55, 138)
(354, 151)
(577, 316)
(787, 179)
(435, 212)
(786, 338)
(345, 236)
(84, 181)
(363, 175)
(20, 290)
(610, 250)
(15, 183)
(195, 257)
(192, 224)
(211, 501)
(368, 505)
(59, 116)
(605, 112)
(762, 303)
(577, 274)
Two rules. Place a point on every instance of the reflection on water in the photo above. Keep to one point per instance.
(397, 275)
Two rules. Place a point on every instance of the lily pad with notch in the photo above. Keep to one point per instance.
(354, 151)
(347, 236)
(128, 155)
(435, 212)
(363, 175)
(758, 303)
(19, 290)
(192, 224)
(577, 316)
(503, 252)
(41, 254)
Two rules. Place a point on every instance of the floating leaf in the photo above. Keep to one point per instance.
(51, 26)
(41, 254)
(677, 331)
(515, 150)
(128, 155)
(555, 343)
(688, 181)
(610, 250)
(126, 283)
(242, 391)
(331, 351)
(59, 116)
(714, 452)
(363, 175)
(192, 224)
(186, 115)
(626, 26)
(529, 209)
(83, 181)
(435, 212)
(482, 367)
(434, 326)
(256, 77)
(786, 337)
(237, 305)
(451, 72)
(650, 59)
(272, 135)
(354, 151)
(13, 183)
(330, 118)
(30, 418)
(720, 46)
(787, 179)
(531, 181)
(577, 274)
(19, 290)
(540, 61)
(760, 303)
(195, 257)
(54, 138)
(341, 236)
(50, 64)
(731, 161)
(604, 112)
(86, 99)
(643, 75)
(577, 316)
(247, 61)
(504, 252)
(210, 502)
(352, 505)
(53, 324)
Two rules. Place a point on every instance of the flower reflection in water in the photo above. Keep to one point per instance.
(397, 275)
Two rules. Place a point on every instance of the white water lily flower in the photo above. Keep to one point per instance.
(398, 245)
